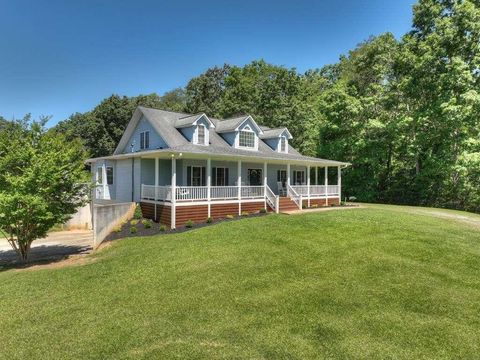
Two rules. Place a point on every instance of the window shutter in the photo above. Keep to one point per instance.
(214, 176)
(142, 140)
(226, 176)
(203, 176)
(189, 176)
(147, 139)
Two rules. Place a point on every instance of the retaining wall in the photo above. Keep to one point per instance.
(107, 217)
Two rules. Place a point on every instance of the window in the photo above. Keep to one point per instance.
(254, 177)
(283, 144)
(201, 134)
(195, 176)
(99, 176)
(282, 176)
(220, 176)
(144, 140)
(246, 139)
(109, 175)
(298, 177)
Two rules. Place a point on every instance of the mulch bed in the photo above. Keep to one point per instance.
(125, 230)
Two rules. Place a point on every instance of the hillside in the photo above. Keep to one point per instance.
(375, 282)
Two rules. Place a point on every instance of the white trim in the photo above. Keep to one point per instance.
(260, 131)
(279, 146)
(206, 137)
(209, 184)
(326, 184)
(174, 191)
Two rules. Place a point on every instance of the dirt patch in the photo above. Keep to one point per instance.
(73, 260)
(320, 209)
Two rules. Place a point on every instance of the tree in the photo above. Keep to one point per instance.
(42, 181)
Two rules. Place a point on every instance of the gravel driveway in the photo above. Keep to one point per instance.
(57, 245)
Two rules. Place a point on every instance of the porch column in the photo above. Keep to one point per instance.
(209, 184)
(104, 180)
(265, 185)
(239, 185)
(174, 192)
(339, 183)
(326, 185)
(308, 185)
(288, 177)
(156, 188)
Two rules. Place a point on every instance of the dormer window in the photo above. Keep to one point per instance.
(283, 144)
(246, 139)
(201, 132)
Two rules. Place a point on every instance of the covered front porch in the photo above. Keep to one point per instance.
(181, 181)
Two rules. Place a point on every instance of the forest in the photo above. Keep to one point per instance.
(405, 112)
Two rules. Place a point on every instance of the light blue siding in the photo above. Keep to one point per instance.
(229, 138)
(273, 143)
(148, 171)
(155, 140)
(124, 180)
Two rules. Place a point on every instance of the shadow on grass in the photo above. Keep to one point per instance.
(41, 255)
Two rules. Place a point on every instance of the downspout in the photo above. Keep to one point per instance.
(133, 178)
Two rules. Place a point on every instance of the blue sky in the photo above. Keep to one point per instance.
(61, 57)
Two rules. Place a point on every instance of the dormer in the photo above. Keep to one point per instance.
(277, 139)
(195, 128)
(242, 132)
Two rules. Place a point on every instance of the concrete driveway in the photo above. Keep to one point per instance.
(57, 245)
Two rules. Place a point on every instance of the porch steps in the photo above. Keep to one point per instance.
(286, 204)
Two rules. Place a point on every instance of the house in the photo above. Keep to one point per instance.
(182, 167)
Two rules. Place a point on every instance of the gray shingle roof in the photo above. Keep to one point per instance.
(272, 133)
(165, 123)
(186, 120)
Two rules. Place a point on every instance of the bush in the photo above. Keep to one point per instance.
(304, 206)
(263, 211)
(245, 213)
(314, 206)
(209, 220)
(138, 212)
(189, 224)
(134, 222)
(133, 230)
(162, 228)
(147, 223)
(117, 229)
(230, 217)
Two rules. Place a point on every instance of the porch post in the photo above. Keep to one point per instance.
(209, 184)
(239, 185)
(265, 185)
(156, 188)
(104, 179)
(308, 185)
(288, 177)
(174, 192)
(326, 185)
(339, 183)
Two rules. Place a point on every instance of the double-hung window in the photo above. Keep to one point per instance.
(246, 139)
(283, 144)
(144, 140)
(219, 176)
(109, 175)
(298, 177)
(200, 134)
(196, 176)
(282, 177)
(99, 176)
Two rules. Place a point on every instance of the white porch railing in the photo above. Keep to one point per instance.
(316, 190)
(296, 198)
(224, 192)
(272, 199)
(200, 193)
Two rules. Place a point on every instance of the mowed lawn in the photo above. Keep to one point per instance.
(373, 283)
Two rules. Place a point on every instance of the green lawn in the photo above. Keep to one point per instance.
(378, 282)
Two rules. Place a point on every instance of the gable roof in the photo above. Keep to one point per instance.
(191, 120)
(231, 125)
(164, 123)
(275, 133)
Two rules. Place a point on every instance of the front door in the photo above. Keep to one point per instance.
(254, 177)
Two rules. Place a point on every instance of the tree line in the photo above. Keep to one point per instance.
(405, 112)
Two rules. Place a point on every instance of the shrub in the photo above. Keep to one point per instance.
(304, 206)
(138, 212)
(117, 229)
(124, 222)
(314, 206)
(209, 220)
(230, 216)
(263, 211)
(245, 213)
(147, 223)
(189, 224)
(134, 222)
(133, 230)
(162, 228)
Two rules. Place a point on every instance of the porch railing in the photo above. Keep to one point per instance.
(316, 190)
(272, 199)
(296, 198)
(224, 192)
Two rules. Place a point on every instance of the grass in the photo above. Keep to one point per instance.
(373, 283)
